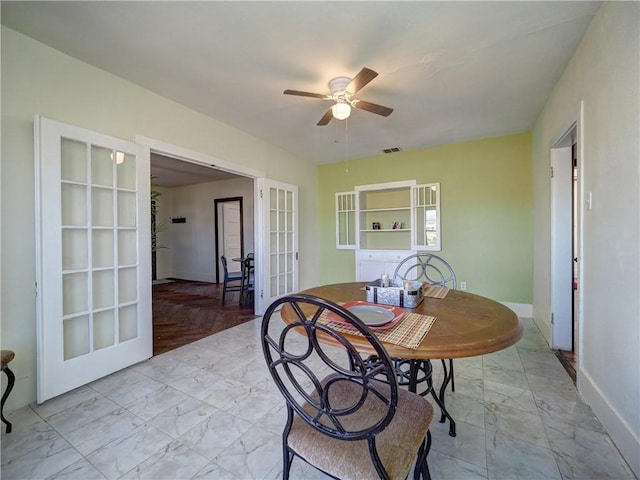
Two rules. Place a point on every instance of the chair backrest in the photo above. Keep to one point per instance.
(223, 259)
(247, 274)
(426, 267)
(229, 276)
(327, 385)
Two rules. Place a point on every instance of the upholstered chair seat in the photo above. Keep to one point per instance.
(396, 445)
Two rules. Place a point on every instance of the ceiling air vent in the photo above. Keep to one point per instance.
(392, 150)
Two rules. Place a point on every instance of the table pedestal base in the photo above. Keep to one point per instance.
(412, 373)
(420, 371)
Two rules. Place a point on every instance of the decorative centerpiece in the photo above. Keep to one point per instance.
(400, 293)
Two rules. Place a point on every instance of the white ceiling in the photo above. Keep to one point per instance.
(169, 172)
(452, 71)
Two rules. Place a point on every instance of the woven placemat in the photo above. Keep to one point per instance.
(435, 291)
(407, 332)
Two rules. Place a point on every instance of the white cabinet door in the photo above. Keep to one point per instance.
(426, 217)
(371, 264)
(346, 220)
(392, 260)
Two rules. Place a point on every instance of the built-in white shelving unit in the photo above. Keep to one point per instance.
(386, 222)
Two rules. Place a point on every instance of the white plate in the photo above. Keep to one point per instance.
(373, 315)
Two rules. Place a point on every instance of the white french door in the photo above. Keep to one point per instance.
(278, 222)
(93, 258)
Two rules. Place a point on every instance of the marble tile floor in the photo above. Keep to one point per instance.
(209, 410)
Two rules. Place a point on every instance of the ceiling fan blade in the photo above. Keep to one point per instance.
(373, 108)
(326, 118)
(304, 94)
(363, 77)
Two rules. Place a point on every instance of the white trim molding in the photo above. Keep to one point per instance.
(197, 157)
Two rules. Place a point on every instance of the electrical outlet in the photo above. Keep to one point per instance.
(463, 285)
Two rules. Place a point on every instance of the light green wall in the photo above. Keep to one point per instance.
(37, 79)
(486, 209)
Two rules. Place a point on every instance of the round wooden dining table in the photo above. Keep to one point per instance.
(466, 325)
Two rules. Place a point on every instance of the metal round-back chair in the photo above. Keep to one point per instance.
(426, 267)
(343, 417)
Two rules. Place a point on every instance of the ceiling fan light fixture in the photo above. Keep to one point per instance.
(343, 91)
(341, 110)
(118, 157)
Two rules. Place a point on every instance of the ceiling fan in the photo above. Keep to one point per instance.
(343, 90)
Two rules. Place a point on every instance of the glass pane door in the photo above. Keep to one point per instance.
(346, 211)
(426, 217)
(280, 224)
(282, 248)
(94, 305)
(100, 258)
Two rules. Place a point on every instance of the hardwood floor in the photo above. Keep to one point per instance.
(568, 361)
(185, 311)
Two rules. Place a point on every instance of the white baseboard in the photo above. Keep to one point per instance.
(194, 276)
(523, 310)
(545, 329)
(164, 274)
(624, 437)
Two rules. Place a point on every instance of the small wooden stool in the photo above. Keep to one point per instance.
(7, 356)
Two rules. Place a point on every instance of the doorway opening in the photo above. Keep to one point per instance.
(187, 296)
(565, 247)
(229, 233)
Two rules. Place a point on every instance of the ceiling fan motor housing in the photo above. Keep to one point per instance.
(338, 85)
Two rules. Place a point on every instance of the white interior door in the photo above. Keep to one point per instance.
(231, 237)
(561, 249)
(277, 262)
(93, 256)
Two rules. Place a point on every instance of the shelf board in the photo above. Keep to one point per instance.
(386, 230)
(391, 209)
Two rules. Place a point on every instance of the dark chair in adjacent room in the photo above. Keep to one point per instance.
(232, 281)
(248, 282)
(426, 267)
(343, 418)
